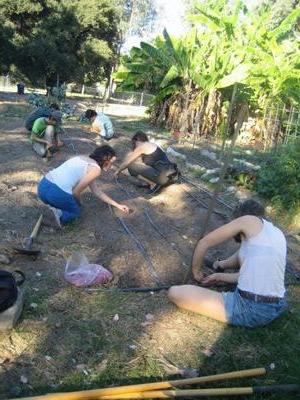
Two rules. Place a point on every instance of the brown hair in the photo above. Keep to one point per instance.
(249, 207)
(102, 154)
(139, 136)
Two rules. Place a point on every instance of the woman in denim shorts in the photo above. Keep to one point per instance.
(259, 297)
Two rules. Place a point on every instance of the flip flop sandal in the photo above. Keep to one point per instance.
(143, 185)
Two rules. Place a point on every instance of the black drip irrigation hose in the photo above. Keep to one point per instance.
(204, 205)
(140, 247)
(70, 144)
(152, 223)
(201, 189)
(155, 227)
(131, 289)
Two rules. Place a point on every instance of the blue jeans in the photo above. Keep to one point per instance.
(245, 312)
(51, 194)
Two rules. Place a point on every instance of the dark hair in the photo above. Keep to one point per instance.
(102, 154)
(54, 106)
(139, 136)
(90, 114)
(249, 207)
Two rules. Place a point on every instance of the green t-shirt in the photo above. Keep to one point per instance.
(38, 128)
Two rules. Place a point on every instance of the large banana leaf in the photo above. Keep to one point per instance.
(238, 75)
(172, 74)
(171, 49)
(155, 54)
(287, 24)
(140, 68)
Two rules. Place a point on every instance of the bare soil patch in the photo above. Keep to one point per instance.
(69, 338)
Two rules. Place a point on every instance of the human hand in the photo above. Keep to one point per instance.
(116, 173)
(59, 143)
(124, 208)
(217, 266)
(212, 279)
(198, 276)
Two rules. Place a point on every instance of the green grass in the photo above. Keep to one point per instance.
(80, 330)
(75, 327)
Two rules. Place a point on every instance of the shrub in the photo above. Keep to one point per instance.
(279, 178)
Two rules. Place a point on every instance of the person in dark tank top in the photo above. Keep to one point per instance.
(155, 170)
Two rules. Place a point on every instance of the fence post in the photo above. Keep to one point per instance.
(142, 99)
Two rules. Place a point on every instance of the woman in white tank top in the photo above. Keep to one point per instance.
(259, 297)
(61, 188)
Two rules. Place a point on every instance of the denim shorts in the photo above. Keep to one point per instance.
(245, 312)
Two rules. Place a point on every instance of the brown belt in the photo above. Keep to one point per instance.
(258, 298)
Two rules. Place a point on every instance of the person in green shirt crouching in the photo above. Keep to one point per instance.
(44, 136)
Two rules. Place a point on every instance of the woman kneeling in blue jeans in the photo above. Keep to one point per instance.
(61, 187)
(259, 297)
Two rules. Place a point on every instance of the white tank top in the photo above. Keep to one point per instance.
(263, 260)
(70, 173)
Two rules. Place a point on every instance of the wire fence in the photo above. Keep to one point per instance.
(132, 98)
(278, 123)
(98, 90)
(282, 124)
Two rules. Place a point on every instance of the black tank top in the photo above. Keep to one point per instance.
(157, 156)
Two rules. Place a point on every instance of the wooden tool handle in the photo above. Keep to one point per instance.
(36, 227)
(170, 394)
(98, 394)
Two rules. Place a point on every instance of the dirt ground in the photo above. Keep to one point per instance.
(177, 218)
(167, 225)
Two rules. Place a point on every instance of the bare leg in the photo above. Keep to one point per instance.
(51, 139)
(200, 300)
(152, 184)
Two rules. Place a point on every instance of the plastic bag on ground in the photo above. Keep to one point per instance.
(80, 273)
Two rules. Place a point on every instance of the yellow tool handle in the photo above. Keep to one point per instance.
(36, 227)
(143, 387)
(170, 394)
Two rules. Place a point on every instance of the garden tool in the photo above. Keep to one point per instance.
(28, 242)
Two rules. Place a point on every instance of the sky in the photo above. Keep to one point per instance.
(171, 15)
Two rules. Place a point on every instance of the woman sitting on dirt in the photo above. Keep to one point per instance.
(155, 170)
(259, 297)
(61, 187)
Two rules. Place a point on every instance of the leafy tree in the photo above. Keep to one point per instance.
(196, 73)
(74, 39)
(278, 179)
(277, 10)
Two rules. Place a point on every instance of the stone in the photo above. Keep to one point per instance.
(4, 259)
(149, 317)
(23, 379)
(9, 317)
(212, 171)
(116, 318)
(214, 180)
(209, 154)
(231, 189)
(174, 153)
(195, 167)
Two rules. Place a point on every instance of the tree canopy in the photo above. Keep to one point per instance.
(72, 38)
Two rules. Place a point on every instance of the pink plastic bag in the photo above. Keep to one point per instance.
(80, 273)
